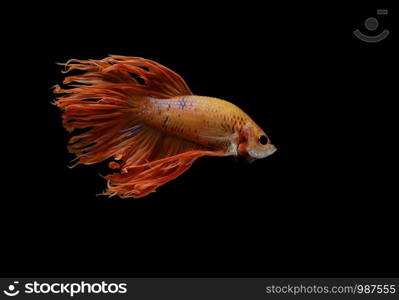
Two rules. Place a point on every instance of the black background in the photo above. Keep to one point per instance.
(322, 205)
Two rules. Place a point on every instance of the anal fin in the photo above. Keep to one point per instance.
(150, 159)
(139, 180)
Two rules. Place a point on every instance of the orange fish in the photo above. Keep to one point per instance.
(144, 116)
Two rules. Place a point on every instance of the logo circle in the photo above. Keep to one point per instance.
(371, 24)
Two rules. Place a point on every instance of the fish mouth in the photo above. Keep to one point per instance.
(254, 155)
(271, 150)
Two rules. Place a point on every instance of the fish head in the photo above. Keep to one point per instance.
(254, 143)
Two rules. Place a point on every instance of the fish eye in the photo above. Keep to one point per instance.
(263, 140)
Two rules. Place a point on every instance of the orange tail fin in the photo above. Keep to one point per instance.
(105, 100)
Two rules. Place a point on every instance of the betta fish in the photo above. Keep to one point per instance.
(144, 118)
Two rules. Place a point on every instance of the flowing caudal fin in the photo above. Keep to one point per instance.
(105, 101)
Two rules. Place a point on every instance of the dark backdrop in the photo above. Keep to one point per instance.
(322, 205)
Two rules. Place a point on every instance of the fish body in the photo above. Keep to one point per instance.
(208, 121)
(154, 129)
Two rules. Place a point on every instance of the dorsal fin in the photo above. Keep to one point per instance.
(149, 77)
